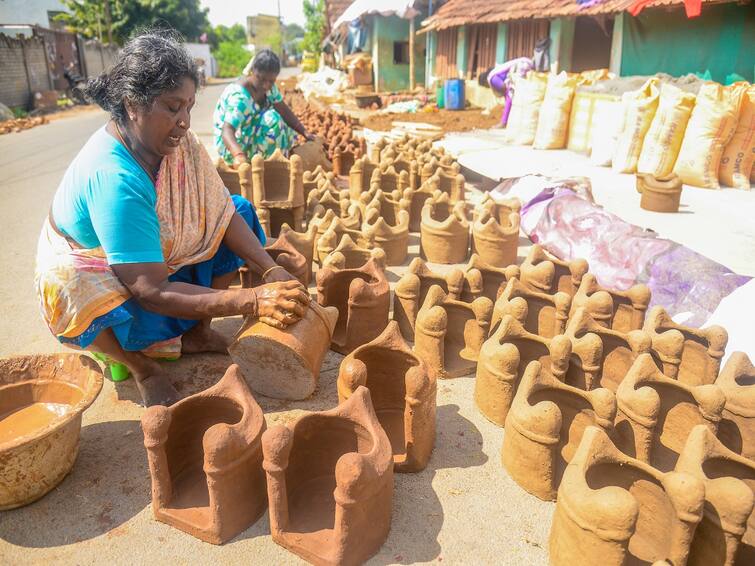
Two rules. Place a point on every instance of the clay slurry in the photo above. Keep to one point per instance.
(30, 418)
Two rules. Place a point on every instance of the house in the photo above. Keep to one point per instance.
(387, 34)
(467, 37)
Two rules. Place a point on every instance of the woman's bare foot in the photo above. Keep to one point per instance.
(154, 387)
(202, 338)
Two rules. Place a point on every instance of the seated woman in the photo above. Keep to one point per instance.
(143, 240)
(251, 117)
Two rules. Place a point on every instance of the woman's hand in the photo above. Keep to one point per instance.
(240, 158)
(282, 303)
(310, 137)
(277, 273)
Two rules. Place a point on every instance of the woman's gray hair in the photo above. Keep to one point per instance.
(150, 64)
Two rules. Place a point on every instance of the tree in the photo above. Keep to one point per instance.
(89, 17)
(314, 25)
(232, 57)
(219, 34)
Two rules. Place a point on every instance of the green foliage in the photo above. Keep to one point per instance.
(232, 57)
(88, 17)
(219, 34)
(314, 26)
(19, 112)
(292, 32)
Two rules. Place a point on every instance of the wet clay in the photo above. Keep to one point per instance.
(287, 256)
(330, 483)
(726, 535)
(701, 350)
(737, 428)
(603, 356)
(362, 297)
(205, 460)
(402, 391)
(546, 314)
(657, 413)
(495, 232)
(285, 363)
(547, 420)
(412, 288)
(546, 273)
(628, 307)
(42, 399)
(449, 333)
(276, 187)
(444, 230)
(484, 280)
(614, 509)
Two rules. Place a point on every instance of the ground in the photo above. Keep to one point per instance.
(450, 121)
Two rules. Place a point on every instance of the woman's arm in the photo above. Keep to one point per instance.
(229, 139)
(241, 240)
(290, 118)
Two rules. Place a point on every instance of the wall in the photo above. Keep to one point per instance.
(24, 66)
(392, 76)
(33, 12)
(592, 44)
(721, 40)
(97, 57)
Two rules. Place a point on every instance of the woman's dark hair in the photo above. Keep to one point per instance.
(148, 65)
(266, 62)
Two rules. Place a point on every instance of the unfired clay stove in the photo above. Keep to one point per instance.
(444, 230)
(546, 314)
(737, 428)
(546, 273)
(628, 306)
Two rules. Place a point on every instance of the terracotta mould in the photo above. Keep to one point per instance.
(205, 460)
(332, 229)
(701, 351)
(349, 255)
(628, 306)
(449, 333)
(284, 363)
(417, 198)
(392, 238)
(42, 399)
(362, 297)
(614, 509)
(737, 428)
(277, 190)
(496, 243)
(343, 161)
(360, 176)
(412, 288)
(659, 194)
(330, 483)
(484, 280)
(547, 420)
(403, 395)
(285, 255)
(728, 517)
(546, 314)
(603, 356)
(546, 273)
(230, 176)
(657, 413)
(303, 242)
(444, 230)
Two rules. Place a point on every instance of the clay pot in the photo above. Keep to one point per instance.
(285, 363)
(546, 273)
(330, 483)
(42, 399)
(205, 460)
(659, 194)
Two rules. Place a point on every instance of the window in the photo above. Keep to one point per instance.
(401, 52)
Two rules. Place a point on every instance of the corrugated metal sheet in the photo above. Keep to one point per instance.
(462, 12)
(445, 55)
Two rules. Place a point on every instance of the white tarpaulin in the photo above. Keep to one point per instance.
(400, 8)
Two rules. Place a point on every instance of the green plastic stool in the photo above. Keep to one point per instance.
(119, 371)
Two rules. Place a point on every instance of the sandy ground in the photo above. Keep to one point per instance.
(449, 121)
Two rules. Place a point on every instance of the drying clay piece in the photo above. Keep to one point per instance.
(603, 356)
(496, 243)
(657, 413)
(729, 481)
(377, 150)
(42, 399)
(444, 230)
(303, 242)
(360, 175)
(412, 288)
(205, 460)
(229, 176)
(285, 255)
(546, 273)
(343, 161)
(547, 420)
(330, 483)
(701, 351)
(737, 428)
(613, 509)
(546, 314)
(450, 179)
(327, 197)
(417, 198)
(659, 194)
(449, 333)
(403, 395)
(277, 191)
(331, 229)
(348, 255)
(393, 238)
(404, 163)
(285, 363)
(388, 179)
(362, 297)
(312, 179)
(628, 306)
(484, 280)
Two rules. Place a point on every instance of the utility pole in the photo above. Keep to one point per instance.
(108, 23)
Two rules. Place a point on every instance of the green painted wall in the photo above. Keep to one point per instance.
(432, 50)
(461, 51)
(500, 43)
(384, 31)
(721, 40)
(562, 42)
